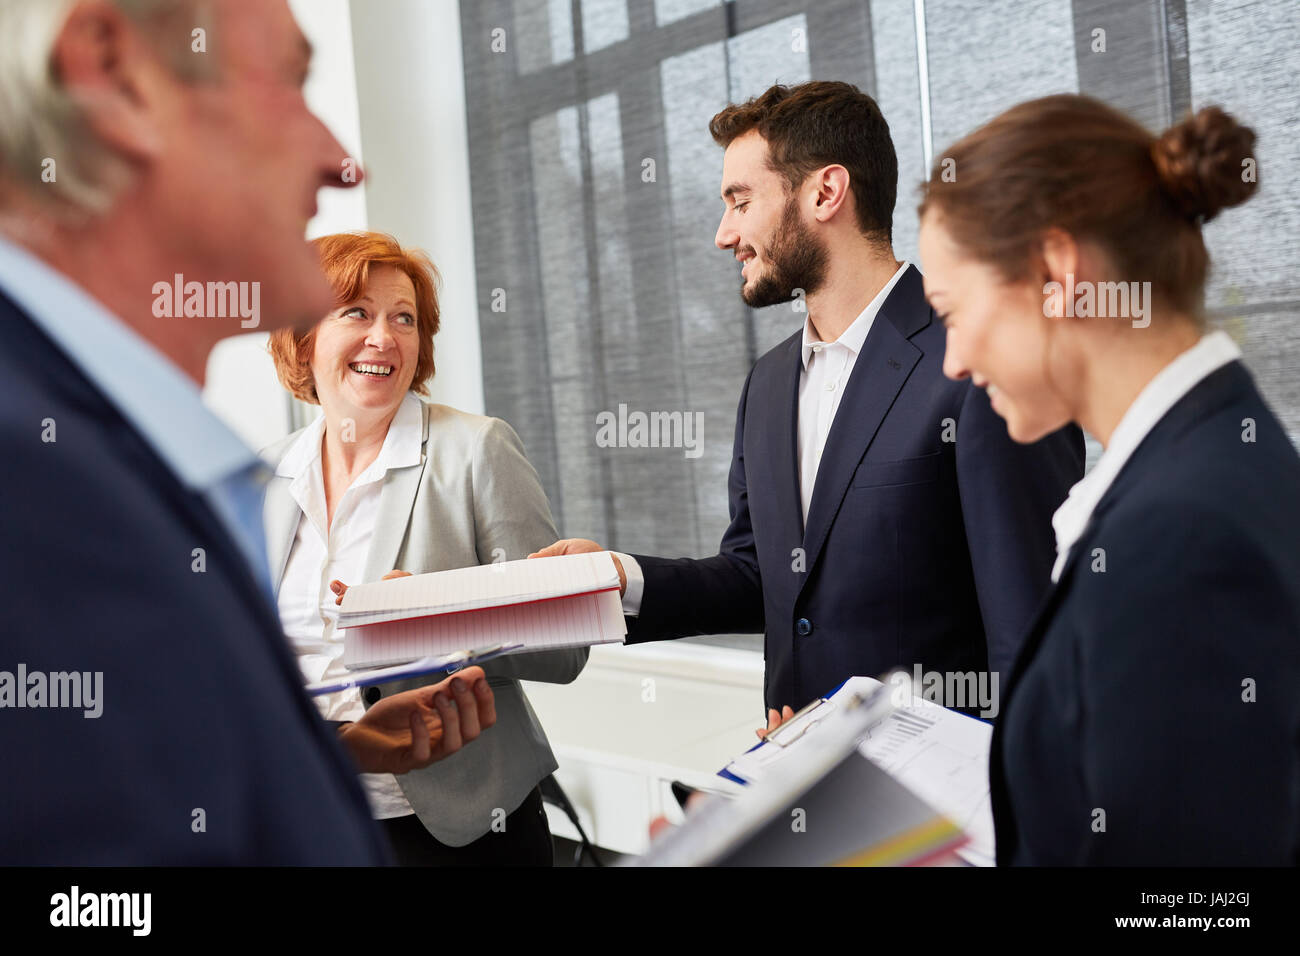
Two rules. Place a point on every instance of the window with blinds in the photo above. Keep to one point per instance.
(595, 199)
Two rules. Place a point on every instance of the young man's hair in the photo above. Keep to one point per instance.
(819, 124)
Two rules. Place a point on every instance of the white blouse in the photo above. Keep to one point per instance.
(1162, 393)
(322, 553)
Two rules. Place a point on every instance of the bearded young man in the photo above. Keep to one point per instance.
(880, 514)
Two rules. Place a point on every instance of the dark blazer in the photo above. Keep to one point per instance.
(919, 549)
(203, 706)
(1160, 698)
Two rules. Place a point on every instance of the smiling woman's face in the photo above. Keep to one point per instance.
(998, 335)
(366, 351)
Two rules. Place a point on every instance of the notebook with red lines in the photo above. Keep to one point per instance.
(542, 604)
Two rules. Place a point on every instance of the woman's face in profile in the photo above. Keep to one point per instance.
(997, 334)
(366, 351)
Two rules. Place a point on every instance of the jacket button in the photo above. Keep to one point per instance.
(371, 695)
(804, 627)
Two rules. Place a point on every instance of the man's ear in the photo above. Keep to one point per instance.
(832, 184)
(106, 68)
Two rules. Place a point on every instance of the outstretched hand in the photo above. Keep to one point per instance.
(581, 546)
(416, 728)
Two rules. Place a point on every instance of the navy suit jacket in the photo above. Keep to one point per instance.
(203, 705)
(1154, 716)
(919, 549)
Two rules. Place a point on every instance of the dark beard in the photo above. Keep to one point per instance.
(796, 260)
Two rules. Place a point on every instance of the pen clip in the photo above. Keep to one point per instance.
(795, 727)
(462, 658)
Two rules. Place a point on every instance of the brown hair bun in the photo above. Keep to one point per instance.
(1201, 163)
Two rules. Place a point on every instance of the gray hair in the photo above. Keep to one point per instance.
(42, 127)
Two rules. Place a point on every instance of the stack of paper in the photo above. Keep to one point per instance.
(538, 604)
(943, 757)
(856, 815)
(940, 755)
(828, 806)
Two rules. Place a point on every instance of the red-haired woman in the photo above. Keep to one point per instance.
(1153, 716)
(383, 480)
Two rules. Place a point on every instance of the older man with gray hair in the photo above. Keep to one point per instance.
(151, 150)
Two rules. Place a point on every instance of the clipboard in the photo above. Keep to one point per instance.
(792, 730)
(940, 755)
(722, 824)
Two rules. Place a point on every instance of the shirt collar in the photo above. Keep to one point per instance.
(856, 334)
(145, 386)
(1162, 393)
(401, 448)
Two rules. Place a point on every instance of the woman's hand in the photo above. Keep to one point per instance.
(416, 728)
(339, 588)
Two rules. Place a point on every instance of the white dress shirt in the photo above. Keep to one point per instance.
(323, 552)
(1162, 393)
(826, 370)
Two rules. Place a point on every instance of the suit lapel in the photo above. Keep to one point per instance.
(1043, 615)
(881, 369)
(282, 514)
(784, 440)
(1204, 399)
(1006, 836)
(396, 500)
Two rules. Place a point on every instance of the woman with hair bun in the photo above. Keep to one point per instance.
(1153, 716)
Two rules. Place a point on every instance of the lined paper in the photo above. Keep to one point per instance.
(484, 586)
(545, 622)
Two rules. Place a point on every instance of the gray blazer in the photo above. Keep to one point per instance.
(473, 492)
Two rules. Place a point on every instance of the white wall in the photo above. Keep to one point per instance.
(332, 95)
(411, 89)
(387, 79)
(241, 385)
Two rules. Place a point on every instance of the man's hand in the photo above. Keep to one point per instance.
(662, 824)
(774, 720)
(581, 546)
(415, 728)
(339, 588)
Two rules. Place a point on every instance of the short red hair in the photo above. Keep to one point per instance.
(346, 258)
